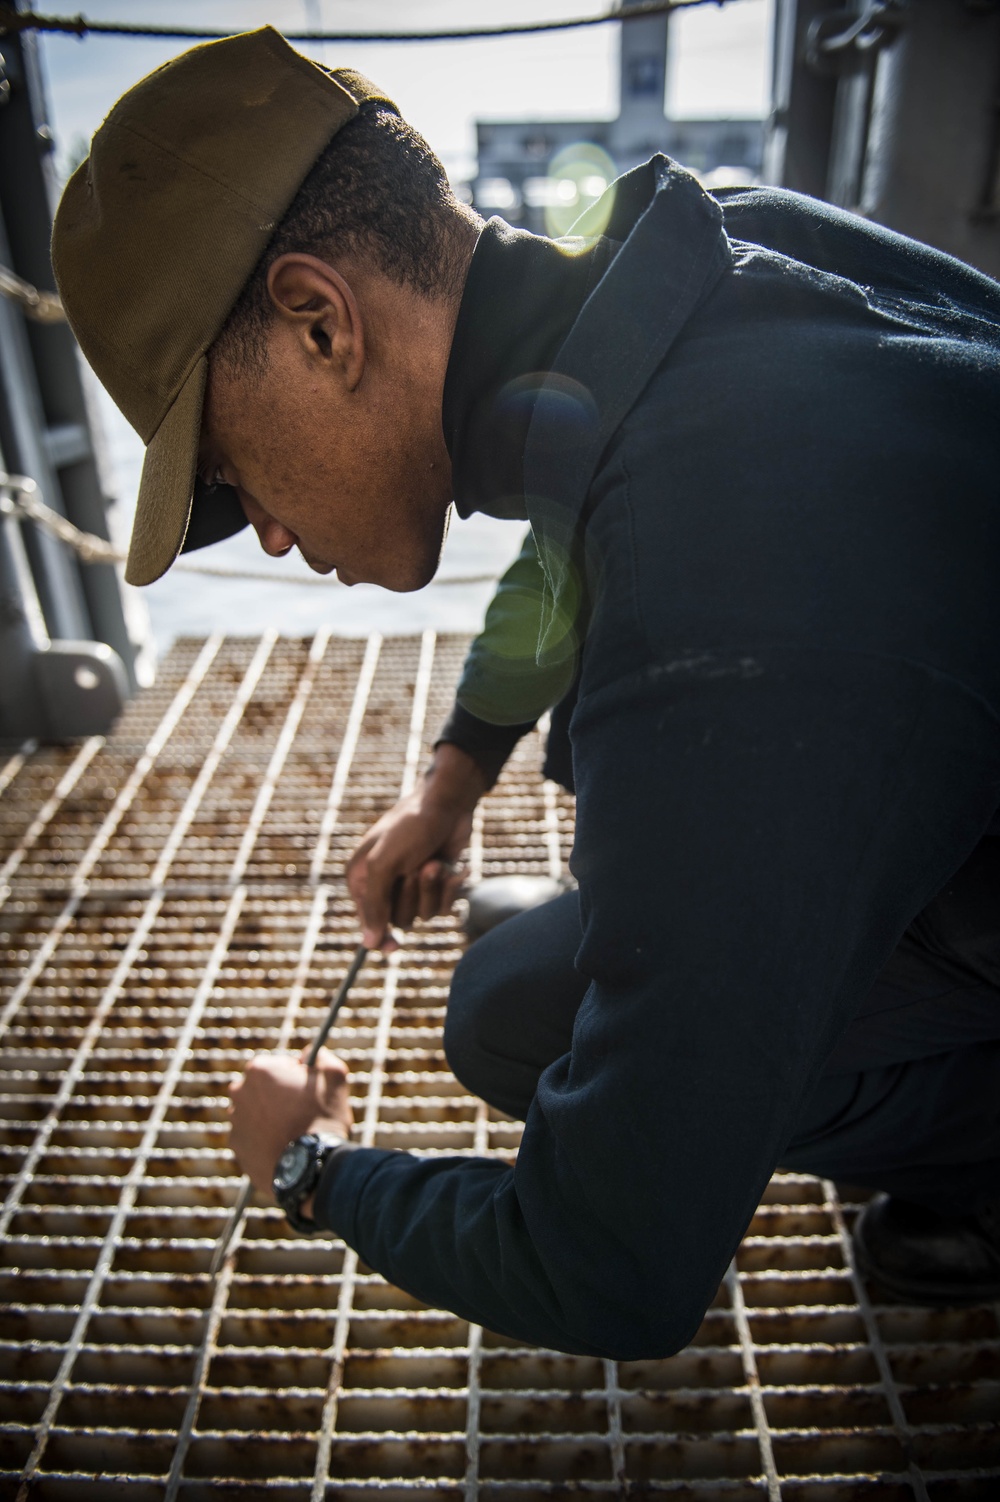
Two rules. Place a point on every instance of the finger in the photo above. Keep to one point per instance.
(448, 886)
(324, 1061)
(453, 887)
(373, 907)
(259, 1063)
(431, 889)
(406, 900)
(332, 1067)
(355, 870)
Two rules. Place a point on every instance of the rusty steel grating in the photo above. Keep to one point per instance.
(171, 900)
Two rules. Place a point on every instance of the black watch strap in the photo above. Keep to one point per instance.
(297, 1174)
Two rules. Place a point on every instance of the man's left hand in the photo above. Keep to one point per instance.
(279, 1098)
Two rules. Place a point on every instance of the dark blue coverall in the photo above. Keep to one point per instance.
(758, 444)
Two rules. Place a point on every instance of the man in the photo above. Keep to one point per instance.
(756, 443)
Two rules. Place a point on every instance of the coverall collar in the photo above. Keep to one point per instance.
(554, 343)
(674, 250)
(522, 296)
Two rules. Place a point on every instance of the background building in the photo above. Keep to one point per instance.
(541, 173)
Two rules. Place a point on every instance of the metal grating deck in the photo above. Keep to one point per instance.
(171, 900)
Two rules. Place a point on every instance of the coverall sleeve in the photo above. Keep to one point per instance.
(753, 833)
(502, 691)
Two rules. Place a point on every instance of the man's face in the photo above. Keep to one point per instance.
(350, 469)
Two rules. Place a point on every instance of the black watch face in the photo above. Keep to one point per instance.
(291, 1165)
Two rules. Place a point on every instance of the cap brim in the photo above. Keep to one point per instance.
(163, 507)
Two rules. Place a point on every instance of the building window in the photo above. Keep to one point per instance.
(537, 146)
(644, 77)
(496, 193)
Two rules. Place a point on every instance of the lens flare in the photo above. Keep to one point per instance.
(581, 174)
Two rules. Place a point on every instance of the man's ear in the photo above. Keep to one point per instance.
(318, 307)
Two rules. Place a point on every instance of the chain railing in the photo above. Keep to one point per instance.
(43, 307)
(12, 20)
(20, 497)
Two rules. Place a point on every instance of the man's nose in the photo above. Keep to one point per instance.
(274, 538)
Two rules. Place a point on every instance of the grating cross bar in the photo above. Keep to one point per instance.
(130, 1186)
(47, 812)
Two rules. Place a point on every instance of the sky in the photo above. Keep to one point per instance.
(718, 66)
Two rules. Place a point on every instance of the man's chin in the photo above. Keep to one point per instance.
(401, 572)
(401, 577)
(415, 578)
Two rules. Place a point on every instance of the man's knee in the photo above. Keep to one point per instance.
(514, 997)
(471, 1001)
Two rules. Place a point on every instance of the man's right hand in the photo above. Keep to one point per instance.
(404, 867)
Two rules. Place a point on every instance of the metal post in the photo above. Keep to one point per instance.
(800, 128)
(22, 433)
(22, 637)
(934, 142)
(892, 108)
(87, 651)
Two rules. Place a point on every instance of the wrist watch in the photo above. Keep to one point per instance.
(298, 1172)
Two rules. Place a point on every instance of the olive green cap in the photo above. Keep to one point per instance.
(160, 228)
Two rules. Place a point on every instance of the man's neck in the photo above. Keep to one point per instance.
(410, 334)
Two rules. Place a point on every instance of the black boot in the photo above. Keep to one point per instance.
(497, 898)
(921, 1257)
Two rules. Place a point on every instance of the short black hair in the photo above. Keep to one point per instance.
(377, 191)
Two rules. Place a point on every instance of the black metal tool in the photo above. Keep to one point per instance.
(227, 1239)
